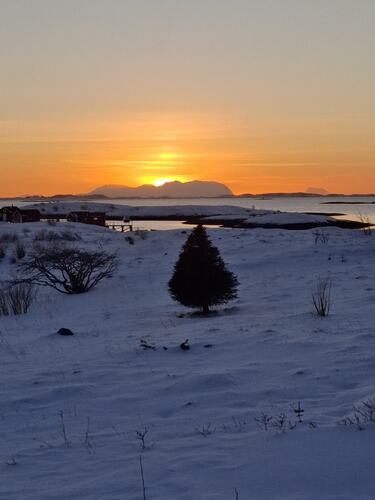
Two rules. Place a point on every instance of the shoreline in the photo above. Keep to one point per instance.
(237, 223)
(240, 224)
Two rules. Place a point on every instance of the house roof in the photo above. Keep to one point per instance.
(22, 211)
(10, 209)
(29, 211)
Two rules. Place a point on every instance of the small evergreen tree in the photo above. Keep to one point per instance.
(200, 278)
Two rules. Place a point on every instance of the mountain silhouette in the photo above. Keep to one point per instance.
(317, 190)
(174, 189)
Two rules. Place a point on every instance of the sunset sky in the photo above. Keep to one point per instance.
(263, 95)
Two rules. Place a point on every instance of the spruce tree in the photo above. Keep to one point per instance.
(200, 278)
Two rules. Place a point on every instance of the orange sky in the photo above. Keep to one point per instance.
(76, 158)
(259, 97)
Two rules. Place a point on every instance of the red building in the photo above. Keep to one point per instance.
(19, 215)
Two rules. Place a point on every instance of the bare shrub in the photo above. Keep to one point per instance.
(8, 238)
(280, 422)
(69, 236)
(47, 235)
(206, 430)
(141, 435)
(19, 251)
(321, 296)
(263, 421)
(284, 421)
(16, 299)
(362, 414)
(365, 219)
(70, 270)
(43, 235)
(321, 236)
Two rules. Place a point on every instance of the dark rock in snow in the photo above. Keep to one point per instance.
(65, 332)
(185, 345)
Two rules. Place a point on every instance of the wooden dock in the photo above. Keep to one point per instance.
(121, 226)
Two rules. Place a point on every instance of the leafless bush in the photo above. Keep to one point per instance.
(69, 236)
(44, 235)
(16, 299)
(206, 430)
(66, 269)
(47, 235)
(283, 421)
(365, 219)
(321, 296)
(141, 435)
(19, 251)
(321, 236)
(362, 414)
(239, 424)
(366, 410)
(279, 423)
(8, 238)
(263, 421)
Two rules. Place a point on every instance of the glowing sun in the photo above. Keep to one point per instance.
(161, 182)
(166, 163)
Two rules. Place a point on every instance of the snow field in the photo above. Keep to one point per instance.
(197, 407)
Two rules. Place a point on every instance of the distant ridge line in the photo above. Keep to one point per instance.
(92, 196)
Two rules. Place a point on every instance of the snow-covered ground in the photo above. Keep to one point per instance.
(264, 218)
(145, 211)
(268, 352)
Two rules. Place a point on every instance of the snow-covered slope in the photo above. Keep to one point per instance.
(142, 211)
(264, 218)
(268, 351)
